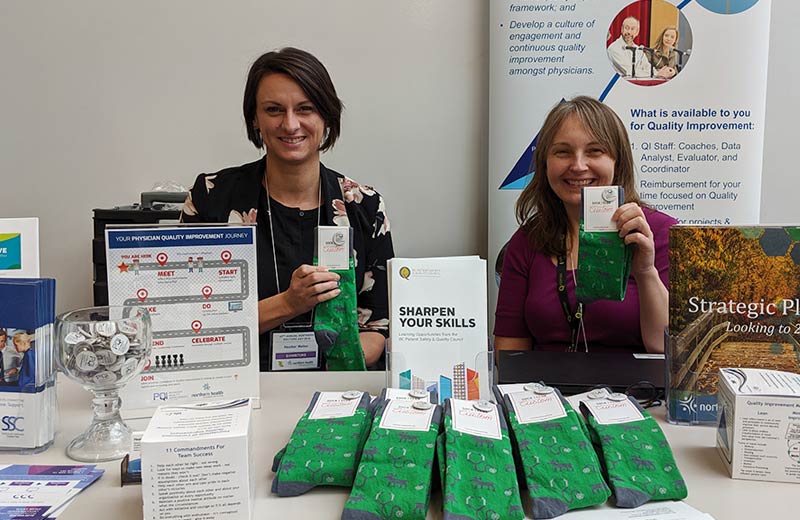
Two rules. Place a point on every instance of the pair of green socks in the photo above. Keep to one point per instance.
(336, 324)
(604, 265)
(478, 476)
(322, 452)
(561, 468)
(394, 477)
(637, 459)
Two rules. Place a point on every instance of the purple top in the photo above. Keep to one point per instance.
(528, 305)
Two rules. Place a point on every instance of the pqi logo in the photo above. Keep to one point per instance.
(11, 423)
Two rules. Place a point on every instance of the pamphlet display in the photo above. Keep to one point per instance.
(19, 247)
(197, 462)
(42, 492)
(758, 430)
(733, 303)
(438, 338)
(199, 285)
(27, 376)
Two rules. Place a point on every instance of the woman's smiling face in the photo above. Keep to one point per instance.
(577, 159)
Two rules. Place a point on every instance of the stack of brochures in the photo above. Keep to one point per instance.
(41, 492)
(27, 374)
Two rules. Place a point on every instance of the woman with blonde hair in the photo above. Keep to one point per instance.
(582, 143)
(664, 53)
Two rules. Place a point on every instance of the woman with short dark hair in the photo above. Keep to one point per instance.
(582, 143)
(292, 112)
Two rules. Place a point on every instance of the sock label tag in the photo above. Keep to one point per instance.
(406, 395)
(468, 419)
(610, 411)
(403, 416)
(576, 400)
(532, 407)
(333, 405)
(599, 204)
(510, 388)
(333, 246)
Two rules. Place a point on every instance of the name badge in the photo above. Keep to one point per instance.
(294, 350)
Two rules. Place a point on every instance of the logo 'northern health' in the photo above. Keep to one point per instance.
(10, 251)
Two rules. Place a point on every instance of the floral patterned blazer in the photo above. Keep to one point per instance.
(237, 195)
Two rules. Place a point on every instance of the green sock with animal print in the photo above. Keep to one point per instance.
(638, 460)
(561, 468)
(336, 324)
(321, 452)
(394, 477)
(479, 479)
(604, 264)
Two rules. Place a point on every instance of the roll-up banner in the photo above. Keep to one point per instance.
(688, 79)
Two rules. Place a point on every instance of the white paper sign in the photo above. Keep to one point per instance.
(199, 285)
(19, 247)
(333, 405)
(470, 420)
(402, 415)
(612, 410)
(533, 407)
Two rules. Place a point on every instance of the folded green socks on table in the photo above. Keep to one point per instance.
(560, 465)
(321, 452)
(389, 465)
(394, 477)
(638, 460)
(479, 480)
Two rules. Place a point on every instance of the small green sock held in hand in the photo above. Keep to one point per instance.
(336, 324)
(604, 265)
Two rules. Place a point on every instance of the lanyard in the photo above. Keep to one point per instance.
(272, 235)
(573, 317)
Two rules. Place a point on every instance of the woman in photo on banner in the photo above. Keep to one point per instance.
(582, 143)
(292, 113)
(664, 57)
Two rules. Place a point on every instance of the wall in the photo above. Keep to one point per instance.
(100, 99)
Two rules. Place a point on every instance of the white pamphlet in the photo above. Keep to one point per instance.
(439, 338)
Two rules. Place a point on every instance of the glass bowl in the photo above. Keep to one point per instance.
(102, 348)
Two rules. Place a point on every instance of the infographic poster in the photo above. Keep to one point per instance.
(199, 285)
(687, 77)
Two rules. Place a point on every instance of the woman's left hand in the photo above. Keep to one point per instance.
(634, 229)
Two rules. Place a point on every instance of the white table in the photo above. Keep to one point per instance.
(285, 397)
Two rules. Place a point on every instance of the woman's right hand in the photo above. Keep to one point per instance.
(309, 286)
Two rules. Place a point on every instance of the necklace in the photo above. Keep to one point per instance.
(272, 235)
